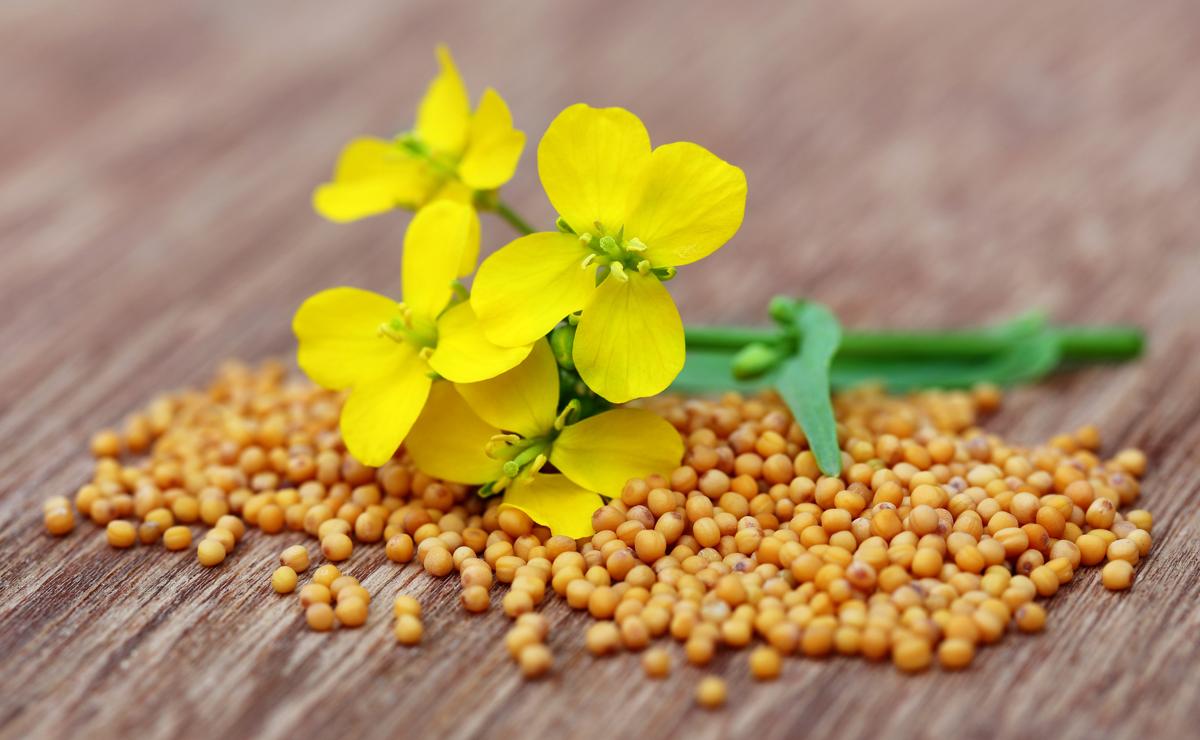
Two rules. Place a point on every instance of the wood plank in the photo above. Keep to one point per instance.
(933, 164)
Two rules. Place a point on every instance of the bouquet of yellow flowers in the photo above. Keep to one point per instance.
(512, 385)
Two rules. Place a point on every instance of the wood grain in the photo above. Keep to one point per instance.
(924, 163)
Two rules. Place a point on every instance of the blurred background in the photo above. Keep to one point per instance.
(920, 163)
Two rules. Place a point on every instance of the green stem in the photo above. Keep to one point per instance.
(729, 337)
(1077, 343)
(514, 220)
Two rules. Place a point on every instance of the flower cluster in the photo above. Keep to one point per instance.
(470, 382)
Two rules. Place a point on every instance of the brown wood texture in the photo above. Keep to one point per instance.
(911, 164)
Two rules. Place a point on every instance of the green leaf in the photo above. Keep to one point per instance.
(804, 384)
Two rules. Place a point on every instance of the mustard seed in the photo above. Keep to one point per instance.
(177, 538)
(955, 653)
(1122, 549)
(516, 603)
(210, 553)
(336, 546)
(603, 638)
(1117, 575)
(765, 664)
(121, 534)
(326, 574)
(1030, 618)
(535, 660)
(475, 599)
(59, 521)
(400, 548)
(912, 655)
(438, 562)
(656, 662)
(224, 536)
(408, 630)
(710, 692)
(283, 580)
(405, 604)
(295, 557)
(351, 611)
(319, 616)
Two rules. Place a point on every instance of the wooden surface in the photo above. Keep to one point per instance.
(919, 163)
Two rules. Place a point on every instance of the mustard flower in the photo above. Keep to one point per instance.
(629, 215)
(502, 432)
(388, 354)
(452, 153)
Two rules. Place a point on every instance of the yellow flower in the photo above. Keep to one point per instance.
(450, 154)
(502, 432)
(388, 353)
(629, 216)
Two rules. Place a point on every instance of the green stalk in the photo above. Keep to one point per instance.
(1085, 344)
(513, 218)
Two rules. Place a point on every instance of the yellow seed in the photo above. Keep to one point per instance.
(233, 524)
(326, 574)
(59, 521)
(351, 611)
(912, 655)
(400, 548)
(765, 664)
(1031, 618)
(516, 603)
(1124, 549)
(319, 617)
(106, 443)
(603, 638)
(955, 653)
(337, 546)
(475, 599)
(210, 553)
(224, 536)
(315, 593)
(710, 692)
(519, 637)
(535, 660)
(121, 534)
(405, 604)
(283, 580)
(177, 538)
(408, 629)
(656, 663)
(295, 557)
(1117, 575)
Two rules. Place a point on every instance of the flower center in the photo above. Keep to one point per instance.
(524, 456)
(410, 329)
(617, 256)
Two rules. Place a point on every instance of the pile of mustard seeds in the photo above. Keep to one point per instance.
(936, 540)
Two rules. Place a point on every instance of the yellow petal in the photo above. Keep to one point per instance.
(493, 146)
(444, 115)
(343, 202)
(434, 247)
(630, 339)
(555, 502)
(449, 440)
(464, 354)
(339, 339)
(588, 160)
(686, 204)
(602, 452)
(528, 286)
(523, 400)
(379, 412)
(372, 176)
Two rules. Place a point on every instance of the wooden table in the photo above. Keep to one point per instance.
(911, 164)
